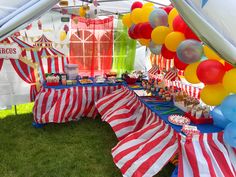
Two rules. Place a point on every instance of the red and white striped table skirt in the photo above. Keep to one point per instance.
(147, 143)
(63, 105)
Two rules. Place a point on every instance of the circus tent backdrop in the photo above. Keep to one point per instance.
(44, 47)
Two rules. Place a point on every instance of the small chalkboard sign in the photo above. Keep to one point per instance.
(65, 19)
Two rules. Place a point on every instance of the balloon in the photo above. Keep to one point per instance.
(126, 20)
(137, 30)
(173, 13)
(189, 34)
(179, 24)
(230, 134)
(136, 15)
(136, 4)
(228, 107)
(166, 53)
(173, 40)
(154, 48)
(144, 42)
(190, 51)
(210, 72)
(218, 118)
(229, 80)
(148, 4)
(131, 33)
(190, 73)
(158, 17)
(63, 35)
(146, 11)
(145, 30)
(159, 34)
(210, 53)
(168, 9)
(228, 66)
(93, 11)
(179, 64)
(213, 95)
(82, 11)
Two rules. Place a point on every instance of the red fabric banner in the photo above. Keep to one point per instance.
(1, 63)
(91, 45)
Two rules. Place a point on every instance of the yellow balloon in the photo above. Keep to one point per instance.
(190, 73)
(213, 95)
(173, 40)
(144, 42)
(209, 53)
(146, 11)
(159, 34)
(82, 12)
(148, 4)
(173, 13)
(63, 35)
(136, 15)
(229, 81)
(126, 19)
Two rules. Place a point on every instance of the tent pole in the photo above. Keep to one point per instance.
(15, 109)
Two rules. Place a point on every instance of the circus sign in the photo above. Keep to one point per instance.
(10, 51)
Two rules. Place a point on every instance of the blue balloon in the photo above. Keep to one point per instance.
(154, 48)
(218, 118)
(228, 107)
(190, 51)
(158, 17)
(230, 134)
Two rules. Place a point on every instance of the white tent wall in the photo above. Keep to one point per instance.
(13, 90)
(142, 61)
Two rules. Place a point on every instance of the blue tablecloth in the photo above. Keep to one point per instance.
(83, 85)
(203, 128)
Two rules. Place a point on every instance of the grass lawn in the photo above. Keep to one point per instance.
(76, 149)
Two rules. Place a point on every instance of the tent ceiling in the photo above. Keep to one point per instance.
(113, 6)
(14, 14)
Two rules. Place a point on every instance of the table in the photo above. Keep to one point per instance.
(147, 141)
(59, 104)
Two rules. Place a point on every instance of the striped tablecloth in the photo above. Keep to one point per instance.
(68, 104)
(147, 143)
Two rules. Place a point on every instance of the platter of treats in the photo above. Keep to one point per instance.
(178, 120)
(85, 81)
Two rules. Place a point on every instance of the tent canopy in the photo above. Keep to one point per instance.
(16, 14)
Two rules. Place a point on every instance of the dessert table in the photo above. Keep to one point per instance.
(58, 104)
(147, 140)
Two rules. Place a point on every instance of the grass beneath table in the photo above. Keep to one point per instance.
(76, 149)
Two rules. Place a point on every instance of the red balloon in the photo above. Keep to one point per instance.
(131, 33)
(228, 66)
(189, 34)
(168, 9)
(210, 71)
(166, 53)
(145, 30)
(179, 24)
(179, 64)
(136, 4)
(137, 30)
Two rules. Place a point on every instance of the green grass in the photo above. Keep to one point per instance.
(76, 149)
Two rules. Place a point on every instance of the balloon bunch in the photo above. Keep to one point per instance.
(88, 11)
(165, 32)
(224, 116)
(215, 73)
